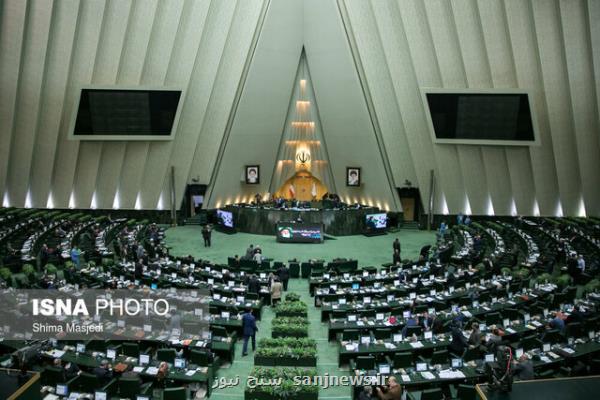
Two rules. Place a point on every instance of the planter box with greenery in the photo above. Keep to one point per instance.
(286, 352)
(291, 309)
(283, 387)
(290, 327)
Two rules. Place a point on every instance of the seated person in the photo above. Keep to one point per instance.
(557, 322)
(412, 321)
(366, 393)
(103, 372)
(475, 337)
(523, 369)
(393, 391)
(459, 342)
(130, 374)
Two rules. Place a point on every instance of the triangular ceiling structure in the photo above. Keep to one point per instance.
(313, 32)
(302, 169)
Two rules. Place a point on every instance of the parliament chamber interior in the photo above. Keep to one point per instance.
(299, 199)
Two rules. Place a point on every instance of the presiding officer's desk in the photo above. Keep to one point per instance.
(336, 222)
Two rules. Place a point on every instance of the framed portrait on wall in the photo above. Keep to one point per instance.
(352, 176)
(252, 174)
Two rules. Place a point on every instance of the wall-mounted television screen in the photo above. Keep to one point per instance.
(225, 218)
(126, 114)
(376, 221)
(484, 118)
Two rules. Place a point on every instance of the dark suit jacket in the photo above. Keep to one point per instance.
(103, 374)
(248, 324)
(283, 273)
(524, 370)
(253, 286)
(459, 342)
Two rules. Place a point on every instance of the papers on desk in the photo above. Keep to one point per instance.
(545, 359)
(416, 345)
(390, 346)
(56, 353)
(138, 369)
(352, 347)
(510, 330)
(536, 323)
(360, 323)
(467, 314)
(568, 350)
(449, 374)
(427, 375)
(152, 371)
(405, 378)
(530, 327)
(190, 372)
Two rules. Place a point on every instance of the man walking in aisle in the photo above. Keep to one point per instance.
(249, 330)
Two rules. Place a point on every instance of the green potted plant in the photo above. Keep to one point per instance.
(291, 309)
(563, 281)
(543, 278)
(29, 271)
(51, 269)
(292, 297)
(6, 276)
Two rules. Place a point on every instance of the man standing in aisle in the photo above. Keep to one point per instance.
(249, 330)
(206, 233)
(284, 276)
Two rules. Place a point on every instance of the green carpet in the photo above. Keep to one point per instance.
(370, 251)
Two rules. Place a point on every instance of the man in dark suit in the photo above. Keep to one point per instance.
(459, 342)
(249, 330)
(396, 258)
(284, 276)
(523, 370)
(253, 285)
(103, 372)
(396, 245)
(206, 233)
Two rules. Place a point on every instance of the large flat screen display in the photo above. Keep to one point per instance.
(376, 221)
(491, 117)
(115, 114)
(225, 218)
(295, 232)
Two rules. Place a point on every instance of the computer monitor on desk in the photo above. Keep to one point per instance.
(421, 367)
(457, 363)
(111, 354)
(384, 369)
(100, 396)
(62, 390)
(144, 359)
(546, 347)
(518, 353)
